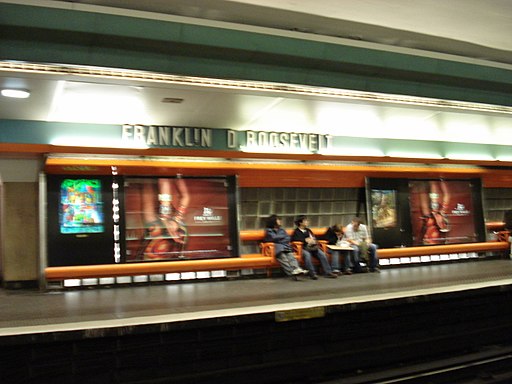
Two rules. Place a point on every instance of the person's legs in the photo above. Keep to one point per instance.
(306, 256)
(355, 258)
(284, 261)
(374, 258)
(297, 270)
(320, 255)
(347, 267)
(335, 261)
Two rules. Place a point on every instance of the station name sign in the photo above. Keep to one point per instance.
(157, 136)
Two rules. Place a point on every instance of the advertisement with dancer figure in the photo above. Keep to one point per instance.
(442, 212)
(176, 218)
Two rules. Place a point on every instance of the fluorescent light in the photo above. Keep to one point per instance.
(414, 155)
(156, 277)
(123, 279)
(15, 93)
(78, 102)
(140, 279)
(203, 275)
(280, 150)
(188, 275)
(345, 151)
(172, 276)
(277, 88)
(469, 156)
(75, 141)
(107, 280)
(72, 282)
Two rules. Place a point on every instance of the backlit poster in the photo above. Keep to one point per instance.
(384, 213)
(79, 213)
(81, 206)
(442, 212)
(173, 218)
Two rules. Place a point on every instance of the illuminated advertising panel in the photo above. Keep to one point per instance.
(175, 218)
(413, 212)
(79, 220)
(442, 212)
(384, 213)
(81, 206)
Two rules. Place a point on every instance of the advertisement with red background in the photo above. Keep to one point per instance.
(176, 218)
(442, 212)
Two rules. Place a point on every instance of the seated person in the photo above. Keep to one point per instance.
(276, 234)
(334, 236)
(310, 248)
(357, 235)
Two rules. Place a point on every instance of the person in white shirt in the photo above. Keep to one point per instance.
(357, 235)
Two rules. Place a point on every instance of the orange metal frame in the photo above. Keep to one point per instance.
(257, 174)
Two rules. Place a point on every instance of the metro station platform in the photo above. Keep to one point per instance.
(292, 331)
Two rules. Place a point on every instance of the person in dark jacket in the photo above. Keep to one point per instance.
(334, 235)
(310, 248)
(276, 234)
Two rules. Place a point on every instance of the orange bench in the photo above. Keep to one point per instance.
(156, 267)
(501, 244)
(263, 260)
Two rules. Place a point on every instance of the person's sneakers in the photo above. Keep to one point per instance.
(331, 275)
(347, 272)
(375, 270)
(313, 276)
(336, 271)
(299, 271)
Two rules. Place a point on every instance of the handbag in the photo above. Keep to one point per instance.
(311, 247)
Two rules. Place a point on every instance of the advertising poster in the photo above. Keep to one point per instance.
(81, 206)
(80, 228)
(176, 218)
(442, 212)
(384, 213)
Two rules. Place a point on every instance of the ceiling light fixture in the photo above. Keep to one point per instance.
(15, 93)
(247, 85)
